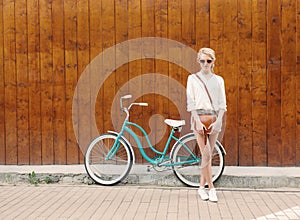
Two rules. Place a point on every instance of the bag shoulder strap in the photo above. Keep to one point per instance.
(206, 90)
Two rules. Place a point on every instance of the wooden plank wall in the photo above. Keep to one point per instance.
(46, 45)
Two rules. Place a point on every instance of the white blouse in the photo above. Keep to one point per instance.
(197, 97)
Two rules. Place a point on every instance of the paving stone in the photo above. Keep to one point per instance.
(59, 201)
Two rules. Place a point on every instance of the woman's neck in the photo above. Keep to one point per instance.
(206, 72)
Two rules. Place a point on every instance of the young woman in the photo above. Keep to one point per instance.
(199, 103)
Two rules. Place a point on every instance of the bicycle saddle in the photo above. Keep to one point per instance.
(175, 123)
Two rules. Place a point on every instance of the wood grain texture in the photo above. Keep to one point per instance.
(83, 59)
(274, 48)
(230, 75)
(202, 14)
(148, 66)
(135, 67)
(71, 67)
(46, 68)
(259, 83)
(122, 73)
(2, 91)
(161, 69)
(22, 83)
(288, 82)
(34, 74)
(245, 83)
(9, 39)
(59, 87)
(175, 71)
(45, 47)
(95, 50)
(298, 86)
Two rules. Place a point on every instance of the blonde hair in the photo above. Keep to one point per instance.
(209, 52)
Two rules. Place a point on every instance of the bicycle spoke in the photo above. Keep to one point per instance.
(104, 169)
(189, 172)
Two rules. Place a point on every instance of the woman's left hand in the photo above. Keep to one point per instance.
(216, 126)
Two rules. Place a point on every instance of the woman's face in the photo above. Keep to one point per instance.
(206, 62)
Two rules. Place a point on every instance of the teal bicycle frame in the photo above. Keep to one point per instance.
(162, 155)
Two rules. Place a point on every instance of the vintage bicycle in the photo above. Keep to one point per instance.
(110, 156)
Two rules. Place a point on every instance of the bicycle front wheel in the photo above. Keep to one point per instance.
(105, 166)
(189, 172)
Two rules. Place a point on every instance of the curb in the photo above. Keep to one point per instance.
(155, 179)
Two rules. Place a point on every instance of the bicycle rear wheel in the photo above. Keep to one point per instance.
(189, 173)
(106, 170)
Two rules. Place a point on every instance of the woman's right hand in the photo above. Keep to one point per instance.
(197, 123)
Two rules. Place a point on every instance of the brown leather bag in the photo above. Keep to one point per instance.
(207, 119)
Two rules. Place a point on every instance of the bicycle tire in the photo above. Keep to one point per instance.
(103, 171)
(189, 174)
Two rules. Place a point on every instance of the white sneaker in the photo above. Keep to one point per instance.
(213, 195)
(203, 195)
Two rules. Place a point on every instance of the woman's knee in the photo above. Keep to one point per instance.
(200, 139)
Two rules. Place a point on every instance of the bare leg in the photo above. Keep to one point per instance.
(211, 145)
(204, 171)
(206, 152)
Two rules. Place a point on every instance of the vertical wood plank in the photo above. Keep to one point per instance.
(298, 85)
(274, 83)
(188, 23)
(71, 66)
(135, 67)
(230, 78)
(34, 82)
(216, 31)
(10, 81)
(244, 79)
(161, 67)
(59, 94)
(96, 49)
(202, 24)
(108, 34)
(175, 72)
(121, 21)
(288, 83)
(259, 82)
(148, 30)
(22, 82)
(83, 61)
(2, 90)
(46, 66)
(190, 32)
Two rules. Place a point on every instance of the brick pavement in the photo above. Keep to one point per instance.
(136, 202)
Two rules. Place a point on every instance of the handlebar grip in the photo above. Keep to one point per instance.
(126, 97)
(143, 104)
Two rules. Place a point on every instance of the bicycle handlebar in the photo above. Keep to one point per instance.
(134, 103)
(142, 104)
(126, 97)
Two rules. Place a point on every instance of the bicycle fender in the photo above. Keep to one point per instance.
(126, 141)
